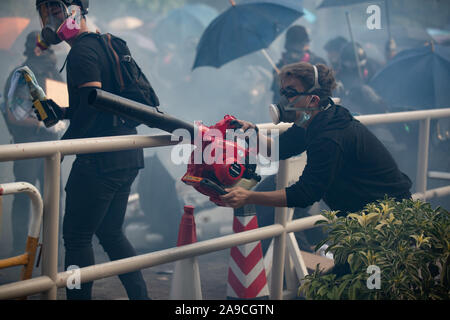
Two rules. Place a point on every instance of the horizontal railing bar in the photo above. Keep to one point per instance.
(439, 175)
(25, 288)
(144, 261)
(116, 143)
(433, 193)
(303, 223)
(81, 146)
(372, 119)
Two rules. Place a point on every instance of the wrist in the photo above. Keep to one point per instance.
(251, 197)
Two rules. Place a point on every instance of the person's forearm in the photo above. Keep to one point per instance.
(271, 198)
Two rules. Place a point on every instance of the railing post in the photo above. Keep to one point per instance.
(422, 157)
(279, 243)
(52, 172)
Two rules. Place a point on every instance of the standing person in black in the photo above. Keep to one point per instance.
(99, 184)
(353, 74)
(28, 129)
(297, 49)
(347, 166)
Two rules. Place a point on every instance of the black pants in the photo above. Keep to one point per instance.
(96, 204)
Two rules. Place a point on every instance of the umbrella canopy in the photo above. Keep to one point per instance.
(183, 23)
(10, 30)
(417, 77)
(243, 29)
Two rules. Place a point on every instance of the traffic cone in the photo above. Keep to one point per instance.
(246, 273)
(186, 277)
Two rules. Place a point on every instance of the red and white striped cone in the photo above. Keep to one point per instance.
(246, 273)
(186, 283)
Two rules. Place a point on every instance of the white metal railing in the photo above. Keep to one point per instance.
(54, 150)
(27, 258)
(36, 203)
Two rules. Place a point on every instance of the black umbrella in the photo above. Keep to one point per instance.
(245, 28)
(418, 77)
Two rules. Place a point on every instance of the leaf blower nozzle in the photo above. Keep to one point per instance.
(136, 111)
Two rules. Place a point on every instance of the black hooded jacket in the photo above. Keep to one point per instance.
(347, 166)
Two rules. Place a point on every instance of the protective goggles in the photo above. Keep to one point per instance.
(290, 92)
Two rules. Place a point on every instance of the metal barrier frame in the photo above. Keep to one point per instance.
(27, 259)
(54, 150)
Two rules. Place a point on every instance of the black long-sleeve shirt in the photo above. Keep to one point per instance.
(347, 166)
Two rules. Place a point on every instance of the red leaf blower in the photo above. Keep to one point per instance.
(227, 164)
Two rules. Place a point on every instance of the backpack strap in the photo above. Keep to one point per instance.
(81, 36)
(116, 60)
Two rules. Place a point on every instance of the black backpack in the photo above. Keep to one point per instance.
(130, 81)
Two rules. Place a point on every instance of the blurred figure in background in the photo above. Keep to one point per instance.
(333, 48)
(28, 129)
(297, 49)
(352, 74)
(390, 50)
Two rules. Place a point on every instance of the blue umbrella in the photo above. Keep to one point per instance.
(244, 28)
(185, 22)
(418, 77)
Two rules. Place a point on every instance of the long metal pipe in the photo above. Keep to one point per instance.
(439, 175)
(433, 193)
(25, 288)
(373, 119)
(105, 144)
(108, 269)
(79, 146)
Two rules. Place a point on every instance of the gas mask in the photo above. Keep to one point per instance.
(59, 22)
(286, 111)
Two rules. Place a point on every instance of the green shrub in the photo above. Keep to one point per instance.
(408, 241)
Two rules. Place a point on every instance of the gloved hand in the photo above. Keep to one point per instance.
(244, 125)
(53, 112)
(51, 105)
